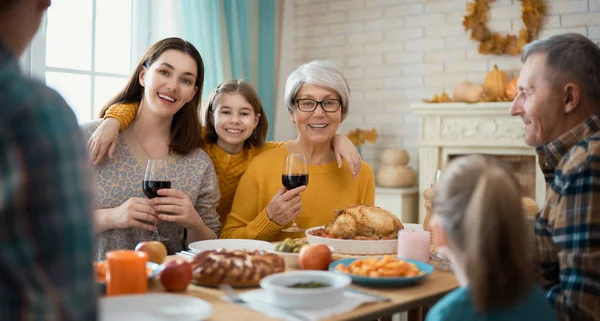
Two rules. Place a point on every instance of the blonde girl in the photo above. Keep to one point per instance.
(235, 130)
(479, 225)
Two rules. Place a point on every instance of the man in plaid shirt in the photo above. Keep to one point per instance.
(559, 102)
(46, 240)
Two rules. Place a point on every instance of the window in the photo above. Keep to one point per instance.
(86, 49)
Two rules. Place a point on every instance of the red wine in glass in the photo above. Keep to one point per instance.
(155, 178)
(295, 174)
(151, 187)
(291, 181)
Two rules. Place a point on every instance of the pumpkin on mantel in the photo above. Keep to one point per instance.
(511, 89)
(494, 85)
(467, 92)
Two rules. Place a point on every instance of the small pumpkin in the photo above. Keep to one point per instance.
(467, 92)
(530, 207)
(511, 89)
(494, 84)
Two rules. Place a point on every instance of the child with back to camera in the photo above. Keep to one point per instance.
(479, 225)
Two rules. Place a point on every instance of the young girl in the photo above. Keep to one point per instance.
(235, 132)
(479, 225)
(166, 87)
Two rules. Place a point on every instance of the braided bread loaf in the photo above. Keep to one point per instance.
(235, 267)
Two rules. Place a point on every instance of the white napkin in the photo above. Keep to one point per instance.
(256, 301)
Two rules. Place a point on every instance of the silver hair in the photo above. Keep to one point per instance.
(320, 73)
(570, 57)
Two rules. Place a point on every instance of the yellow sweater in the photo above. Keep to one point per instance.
(329, 188)
(229, 167)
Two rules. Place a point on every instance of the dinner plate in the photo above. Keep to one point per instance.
(383, 281)
(154, 306)
(231, 244)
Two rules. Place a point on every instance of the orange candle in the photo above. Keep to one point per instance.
(126, 272)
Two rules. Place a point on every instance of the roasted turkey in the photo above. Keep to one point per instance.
(364, 222)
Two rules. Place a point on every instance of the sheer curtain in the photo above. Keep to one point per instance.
(236, 39)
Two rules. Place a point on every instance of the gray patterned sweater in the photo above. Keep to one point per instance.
(120, 178)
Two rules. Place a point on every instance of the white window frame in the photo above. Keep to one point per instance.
(33, 60)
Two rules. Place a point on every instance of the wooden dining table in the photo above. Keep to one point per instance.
(407, 298)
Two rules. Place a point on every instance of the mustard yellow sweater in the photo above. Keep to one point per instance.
(329, 188)
(229, 167)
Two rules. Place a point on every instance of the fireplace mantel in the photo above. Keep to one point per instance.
(459, 128)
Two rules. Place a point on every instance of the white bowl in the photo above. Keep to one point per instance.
(291, 259)
(275, 285)
(359, 247)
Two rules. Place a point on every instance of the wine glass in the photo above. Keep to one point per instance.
(155, 178)
(295, 174)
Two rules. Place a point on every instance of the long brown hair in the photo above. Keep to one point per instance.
(186, 127)
(478, 204)
(259, 134)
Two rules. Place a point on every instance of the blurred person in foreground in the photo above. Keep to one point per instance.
(46, 242)
(559, 102)
(479, 225)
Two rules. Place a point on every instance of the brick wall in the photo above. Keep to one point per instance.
(395, 52)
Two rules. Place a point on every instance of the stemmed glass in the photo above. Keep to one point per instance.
(295, 174)
(155, 178)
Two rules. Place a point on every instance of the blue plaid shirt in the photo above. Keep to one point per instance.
(46, 240)
(567, 231)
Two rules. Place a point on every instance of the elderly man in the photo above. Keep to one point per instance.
(46, 242)
(559, 102)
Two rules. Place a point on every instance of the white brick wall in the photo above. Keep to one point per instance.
(395, 52)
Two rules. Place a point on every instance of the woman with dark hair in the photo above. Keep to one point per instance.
(167, 84)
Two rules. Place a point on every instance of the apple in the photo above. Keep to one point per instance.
(176, 275)
(314, 257)
(157, 252)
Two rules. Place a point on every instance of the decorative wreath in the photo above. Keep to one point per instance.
(495, 43)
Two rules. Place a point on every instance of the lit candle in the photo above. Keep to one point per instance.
(413, 245)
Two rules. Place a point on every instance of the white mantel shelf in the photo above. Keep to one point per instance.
(460, 128)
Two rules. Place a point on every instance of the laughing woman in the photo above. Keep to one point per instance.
(316, 95)
(167, 85)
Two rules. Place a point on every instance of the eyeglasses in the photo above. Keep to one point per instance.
(328, 105)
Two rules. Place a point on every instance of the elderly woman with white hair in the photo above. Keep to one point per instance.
(317, 98)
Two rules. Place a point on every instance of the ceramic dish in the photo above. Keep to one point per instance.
(291, 259)
(231, 244)
(357, 247)
(383, 281)
(280, 294)
(153, 307)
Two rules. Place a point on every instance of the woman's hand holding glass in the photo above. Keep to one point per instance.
(103, 140)
(285, 205)
(135, 212)
(178, 206)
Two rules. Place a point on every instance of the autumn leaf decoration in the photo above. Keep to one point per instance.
(359, 136)
(532, 14)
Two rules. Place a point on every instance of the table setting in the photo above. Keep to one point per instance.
(228, 278)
